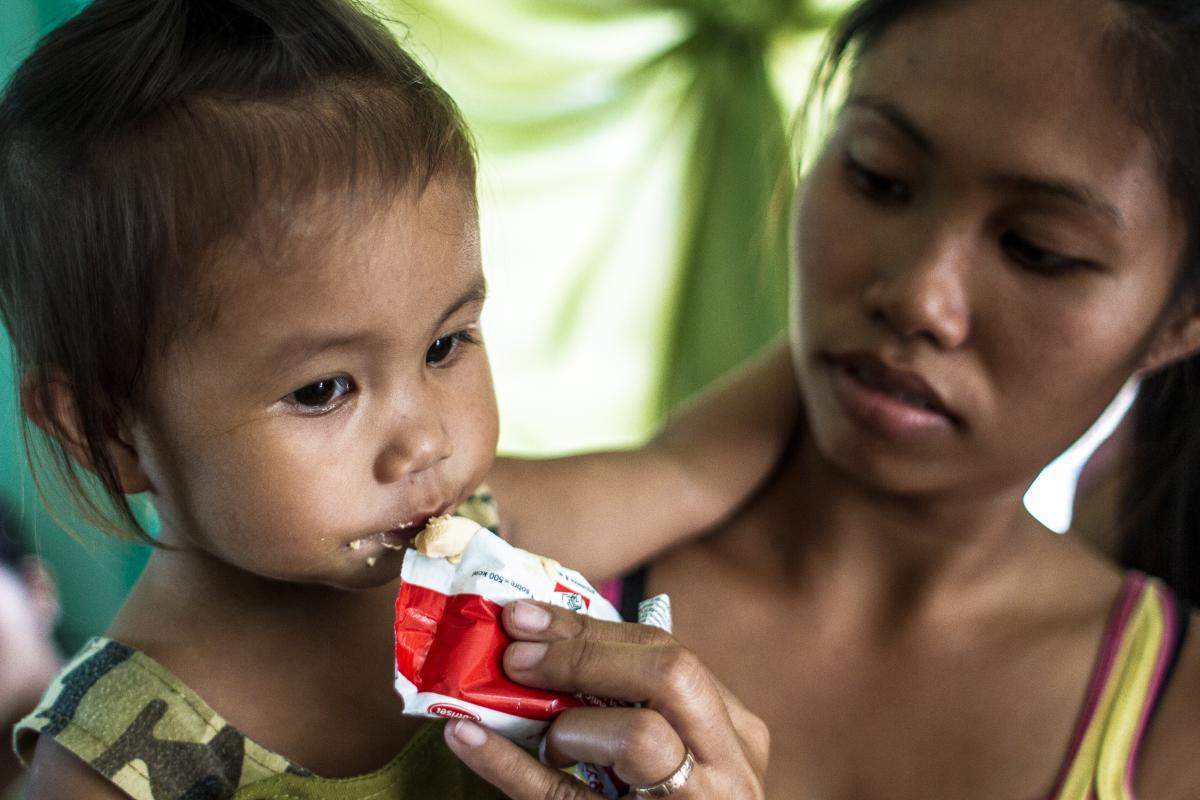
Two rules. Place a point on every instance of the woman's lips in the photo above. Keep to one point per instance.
(896, 403)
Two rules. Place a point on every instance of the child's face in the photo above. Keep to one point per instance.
(338, 397)
(983, 250)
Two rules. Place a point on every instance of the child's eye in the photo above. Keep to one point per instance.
(1035, 258)
(321, 394)
(446, 347)
(875, 185)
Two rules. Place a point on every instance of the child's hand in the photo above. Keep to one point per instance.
(684, 708)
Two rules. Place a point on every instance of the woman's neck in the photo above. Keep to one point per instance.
(817, 528)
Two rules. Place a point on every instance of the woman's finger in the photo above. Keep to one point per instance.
(642, 749)
(509, 768)
(541, 622)
(666, 678)
(753, 732)
(667, 674)
(538, 622)
(638, 743)
(559, 649)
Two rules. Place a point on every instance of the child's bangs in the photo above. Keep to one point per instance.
(227, 171)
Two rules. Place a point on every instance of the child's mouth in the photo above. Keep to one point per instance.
(397, 538)
(394, 539)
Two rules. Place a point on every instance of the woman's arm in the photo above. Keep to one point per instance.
(602, 513)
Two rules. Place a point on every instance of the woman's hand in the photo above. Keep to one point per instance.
(683, 708)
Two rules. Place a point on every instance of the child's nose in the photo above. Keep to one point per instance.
(923, 294)
(417, 442)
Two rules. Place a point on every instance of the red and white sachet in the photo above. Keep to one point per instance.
(450, 641)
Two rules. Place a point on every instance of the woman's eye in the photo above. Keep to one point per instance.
(323, 393)
(1035, 258)
(875, 184)
(445, 347)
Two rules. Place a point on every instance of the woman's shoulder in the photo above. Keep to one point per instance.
(1168, 766)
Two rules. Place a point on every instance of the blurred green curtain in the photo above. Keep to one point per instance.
(705, 159)
(93, 573)
(732, 285)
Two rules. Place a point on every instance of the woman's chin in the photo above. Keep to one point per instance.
(872, 464)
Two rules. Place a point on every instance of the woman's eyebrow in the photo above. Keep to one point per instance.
(1075, 193)
(894, 115)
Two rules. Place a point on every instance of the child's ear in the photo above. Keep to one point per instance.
(1178, 338)
(49, 401)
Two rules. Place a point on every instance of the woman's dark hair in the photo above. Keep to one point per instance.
(142, 135)
(1161, 504)
(1150, 47)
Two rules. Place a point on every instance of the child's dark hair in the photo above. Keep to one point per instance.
(1150, 47)
(141, 135)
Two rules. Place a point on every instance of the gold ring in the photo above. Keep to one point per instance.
(670, 784)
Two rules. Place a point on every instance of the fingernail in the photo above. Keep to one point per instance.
(524, 655)
(468, 732)
(542, 750)
(531, 618)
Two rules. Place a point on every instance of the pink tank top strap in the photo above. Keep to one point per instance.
(1141, 642)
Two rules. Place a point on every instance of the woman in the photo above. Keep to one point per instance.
(1000, 231)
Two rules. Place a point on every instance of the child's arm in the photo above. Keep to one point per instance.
(602, 513)
(55, 774)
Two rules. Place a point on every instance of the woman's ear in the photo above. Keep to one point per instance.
(49, 401)
(1176, 339)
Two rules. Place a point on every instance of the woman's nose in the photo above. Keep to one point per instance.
(417, 441)
(923, 294)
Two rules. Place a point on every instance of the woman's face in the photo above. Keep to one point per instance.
(985, 249)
